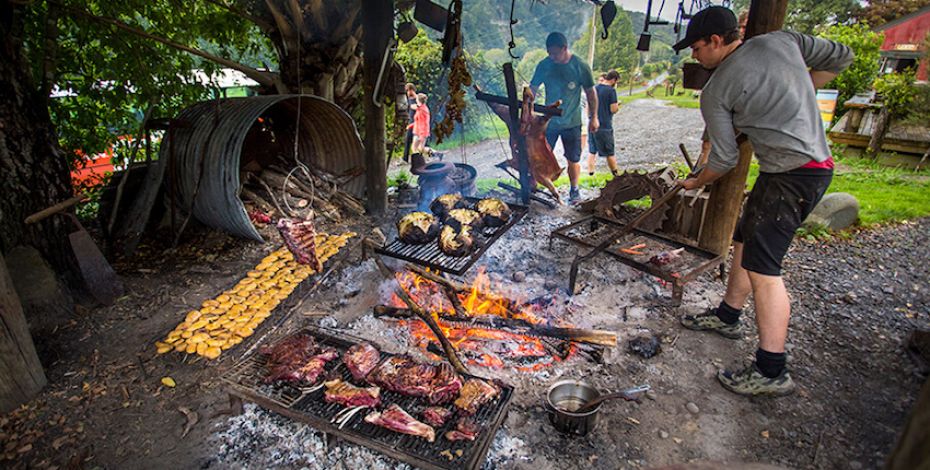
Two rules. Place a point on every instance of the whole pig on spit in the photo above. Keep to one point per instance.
(544, 168)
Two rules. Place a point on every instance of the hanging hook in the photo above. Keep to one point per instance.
(608, 13)
(512, 44)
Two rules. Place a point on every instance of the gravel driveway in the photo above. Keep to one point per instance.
(647, 133)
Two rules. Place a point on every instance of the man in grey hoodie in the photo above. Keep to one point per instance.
(765, 89)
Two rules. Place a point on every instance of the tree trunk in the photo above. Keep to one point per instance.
(878, 133)
(726, 194)
(34, 172)
(377, 18)
(323, 46)
(20, 369)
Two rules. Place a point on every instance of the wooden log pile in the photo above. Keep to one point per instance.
(283, 190)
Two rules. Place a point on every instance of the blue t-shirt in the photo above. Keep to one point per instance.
(564, 82)
(606, 96)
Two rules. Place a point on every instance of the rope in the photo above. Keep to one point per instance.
(297, 126)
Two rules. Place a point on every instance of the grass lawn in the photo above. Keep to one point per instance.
(885, 194)
(682, 98)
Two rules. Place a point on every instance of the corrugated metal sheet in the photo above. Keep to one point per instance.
(210, 139)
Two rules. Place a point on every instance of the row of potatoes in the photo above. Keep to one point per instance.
(232, 316)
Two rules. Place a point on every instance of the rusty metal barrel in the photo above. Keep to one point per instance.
(205, 148)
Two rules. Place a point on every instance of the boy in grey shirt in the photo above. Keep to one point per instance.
(765, 89)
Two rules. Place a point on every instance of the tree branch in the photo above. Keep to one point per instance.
(264, 78)
(262, 24)
(287, 33)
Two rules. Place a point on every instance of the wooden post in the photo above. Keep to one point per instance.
(378, 27)
(726, 195)
(21, 374)
(522, 157)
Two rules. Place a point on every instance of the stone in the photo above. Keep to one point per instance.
(663, 434)
(651, 394)
(519, 276)
(835, 211)
(691, 407)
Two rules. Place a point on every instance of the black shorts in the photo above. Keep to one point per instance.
(602, 143)
(571, 142)
(777, 205)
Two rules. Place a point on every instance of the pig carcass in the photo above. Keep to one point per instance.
(543, 166)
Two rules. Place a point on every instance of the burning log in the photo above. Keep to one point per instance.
(578, 335)
(450, 351)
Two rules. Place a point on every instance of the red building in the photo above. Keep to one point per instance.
(904, 43)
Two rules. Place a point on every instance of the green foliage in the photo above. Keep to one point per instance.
(865, 43)
(877, 12)
(897, 91)
(401, 179)
(113, 76)
(618, 51)
(885, 194)
(808, 16)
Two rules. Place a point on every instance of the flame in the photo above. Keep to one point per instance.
(480, 346)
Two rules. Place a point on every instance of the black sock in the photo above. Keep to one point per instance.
(770, 364)
(727, 314)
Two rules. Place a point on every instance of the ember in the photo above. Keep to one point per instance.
(488, 328)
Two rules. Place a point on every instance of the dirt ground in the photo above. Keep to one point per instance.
(854, 300)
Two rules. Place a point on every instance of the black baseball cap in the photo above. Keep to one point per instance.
(712, 20)
(556, 39)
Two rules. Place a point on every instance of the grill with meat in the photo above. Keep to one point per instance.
(398, 420)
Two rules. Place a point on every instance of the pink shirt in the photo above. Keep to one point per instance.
(421, 121)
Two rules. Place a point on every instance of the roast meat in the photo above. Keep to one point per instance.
(474, 394)
(361, 359)
(398, 420)
(346, 394)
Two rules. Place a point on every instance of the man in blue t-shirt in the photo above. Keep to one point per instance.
(602, 142)
(564, 76)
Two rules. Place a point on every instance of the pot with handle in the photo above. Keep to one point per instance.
(573, 405)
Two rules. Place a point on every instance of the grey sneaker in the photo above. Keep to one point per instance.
(750, 382)
(574, 195)
(707, 321)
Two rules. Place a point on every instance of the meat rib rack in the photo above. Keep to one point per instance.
(429, 255)
(245, 383)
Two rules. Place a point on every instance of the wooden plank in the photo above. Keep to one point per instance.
(378, 26)
(20, 369)
(726, 196)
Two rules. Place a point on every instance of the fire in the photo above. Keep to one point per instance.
(478, 343)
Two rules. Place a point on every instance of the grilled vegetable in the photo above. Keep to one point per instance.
(494, 212)
(456, 242)
(418, 228)
(460, 217)
(445, 203)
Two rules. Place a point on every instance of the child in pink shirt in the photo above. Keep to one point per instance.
(420, 125)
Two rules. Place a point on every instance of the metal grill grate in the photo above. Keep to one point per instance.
(591, 231)
(429, 254)
(245, 380)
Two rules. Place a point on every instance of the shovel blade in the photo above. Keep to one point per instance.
(102, 282)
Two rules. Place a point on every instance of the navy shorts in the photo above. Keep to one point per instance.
(602, 143)
(777, 205)
(571, 142)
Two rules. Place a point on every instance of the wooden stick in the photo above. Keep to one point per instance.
(598, 337)
(451, 354)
